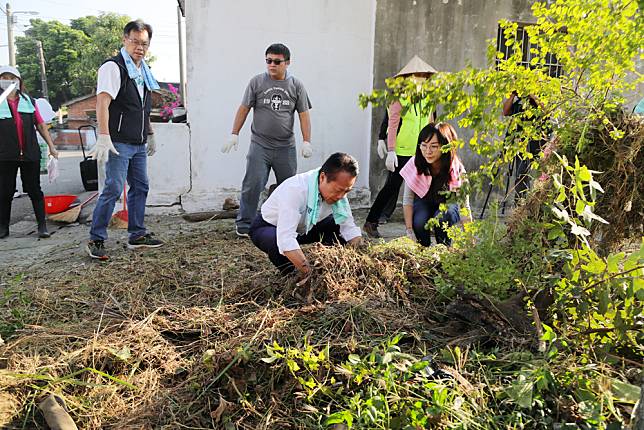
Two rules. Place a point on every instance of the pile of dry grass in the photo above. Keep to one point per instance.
(619, 163)
(172, 338)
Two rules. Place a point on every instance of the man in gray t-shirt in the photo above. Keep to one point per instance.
(274, 97)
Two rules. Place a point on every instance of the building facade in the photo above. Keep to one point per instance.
(339, 49)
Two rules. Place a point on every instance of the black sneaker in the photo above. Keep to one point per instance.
(4, 231)
(96, 250)
(242, 233)
(146, 241)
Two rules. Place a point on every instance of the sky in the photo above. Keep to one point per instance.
(161, 14)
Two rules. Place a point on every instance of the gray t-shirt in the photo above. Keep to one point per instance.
(274, 104)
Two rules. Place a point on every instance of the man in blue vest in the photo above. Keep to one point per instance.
(123, 104)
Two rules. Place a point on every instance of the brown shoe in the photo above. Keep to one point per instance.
(371, 228)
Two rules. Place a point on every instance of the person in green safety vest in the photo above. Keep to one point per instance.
(406, 119)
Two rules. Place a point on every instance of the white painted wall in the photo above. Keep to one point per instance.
(331, 43)
(169, 167)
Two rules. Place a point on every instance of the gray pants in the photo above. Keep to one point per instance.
(259, 162)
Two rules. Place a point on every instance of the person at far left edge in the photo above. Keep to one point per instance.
(19, 150)
(125, 139)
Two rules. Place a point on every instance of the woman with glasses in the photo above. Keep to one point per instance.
(19, 149)
(429, 177)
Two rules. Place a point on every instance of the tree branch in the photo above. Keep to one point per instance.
(594, 284)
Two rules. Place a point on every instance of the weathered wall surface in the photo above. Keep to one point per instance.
(169, 167)
(448, 34)
(331, 43)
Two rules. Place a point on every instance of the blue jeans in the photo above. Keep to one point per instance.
(424, 209)
(130, 164)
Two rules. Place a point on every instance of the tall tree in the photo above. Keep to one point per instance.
(73, 53)
(61, 45)
(105, 32)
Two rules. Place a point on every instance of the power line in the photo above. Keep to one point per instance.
(44, 16)
(26, 21)
(67, 20)
(74, 6)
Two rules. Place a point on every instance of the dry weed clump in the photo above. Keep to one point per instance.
(173, 338)
(101, 375)
(619, 164)
(383, 273)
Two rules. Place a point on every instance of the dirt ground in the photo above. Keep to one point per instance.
(22, 250)
(207, 291)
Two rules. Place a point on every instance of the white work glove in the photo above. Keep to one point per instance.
(152, 145)
(392, 161)
(382, 149)
(232, 142)
(103, 147)
(307, 150)
(410, 234)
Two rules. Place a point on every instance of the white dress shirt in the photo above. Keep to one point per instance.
(286, 209)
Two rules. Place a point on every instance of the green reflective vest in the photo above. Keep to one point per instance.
(412, 123)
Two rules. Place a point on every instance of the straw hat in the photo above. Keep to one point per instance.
(415, 65)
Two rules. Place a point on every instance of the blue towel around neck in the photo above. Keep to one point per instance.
(24, 106)
(145, 71)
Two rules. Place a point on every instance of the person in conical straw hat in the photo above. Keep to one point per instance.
(416, 67)
(405, 119)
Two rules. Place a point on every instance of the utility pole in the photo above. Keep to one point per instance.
(11, 20)
(182, 74)
(12, 47)
(43, 73)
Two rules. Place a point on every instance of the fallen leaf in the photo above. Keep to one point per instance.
(221, 409)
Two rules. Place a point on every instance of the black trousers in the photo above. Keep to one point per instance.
(30, 175)
(523, 179)
(388, 192)
(264, 236)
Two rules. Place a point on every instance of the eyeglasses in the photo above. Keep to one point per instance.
(144, 45)
(429, 146)
(275, 61)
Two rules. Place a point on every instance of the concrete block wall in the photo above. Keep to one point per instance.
(169, 168)
(448, 34)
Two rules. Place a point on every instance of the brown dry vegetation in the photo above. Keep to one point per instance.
(161, 339)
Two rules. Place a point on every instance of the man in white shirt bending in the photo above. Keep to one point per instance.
(307, 208)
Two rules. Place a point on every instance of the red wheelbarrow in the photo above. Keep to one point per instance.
(60, 203)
